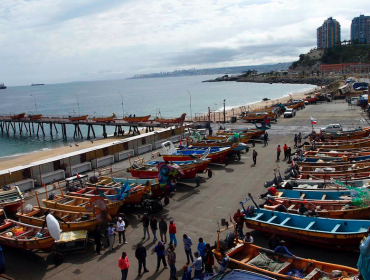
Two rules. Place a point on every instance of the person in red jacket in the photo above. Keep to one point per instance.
(278, 152)
(124, 264)
(172, 230)
(285, 148)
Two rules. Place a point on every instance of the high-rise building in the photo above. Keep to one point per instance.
(328, 35)
(360, 30)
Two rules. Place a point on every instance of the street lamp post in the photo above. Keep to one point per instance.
(224, 111)
(191, 113)
(78, 104)
(35, 102)
(123, 115)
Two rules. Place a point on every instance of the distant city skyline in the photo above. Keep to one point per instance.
(57, 41)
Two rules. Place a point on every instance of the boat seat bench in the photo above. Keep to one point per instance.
(285, 221)
(259, 215)
(310, 225)
(336, 228)
(271, 219)
(291, 207)
(312, 274)
(284, 268)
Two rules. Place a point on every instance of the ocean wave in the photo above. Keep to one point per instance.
(24, 154)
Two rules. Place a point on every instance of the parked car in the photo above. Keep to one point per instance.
(289, 113)
(332, 128)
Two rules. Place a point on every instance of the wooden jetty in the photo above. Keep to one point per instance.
(36, 126)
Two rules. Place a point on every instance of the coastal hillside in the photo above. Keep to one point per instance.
(342, 54)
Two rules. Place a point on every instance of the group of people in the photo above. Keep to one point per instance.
(287, 153)
(200, 261)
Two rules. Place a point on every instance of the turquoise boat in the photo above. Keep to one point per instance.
(324, 195)
(313, 230)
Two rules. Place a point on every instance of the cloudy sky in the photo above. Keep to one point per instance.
(54, 41)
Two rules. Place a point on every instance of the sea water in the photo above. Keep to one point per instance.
(169, 96)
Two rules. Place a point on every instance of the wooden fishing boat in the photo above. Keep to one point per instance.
(224, 138)
(332, 161)
(72, 220)
(319, 184)
(324, 209)
(18, 116)
(35, 117)
(335, 169)
(137, 119)
(248, 134)
(263, 116)
(215, 154)
(315, 230)
(78, 118)
(329, 195)
(150, 170)
(348, 145)
(179, 120)
(11, 198)
(296, 106)
(248, 257)
(78, 204)
(106, 119)
(343, 177)
(321, 153)
(23, 236)
(348, 135)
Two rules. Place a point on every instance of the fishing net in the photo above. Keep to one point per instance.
(360, 196)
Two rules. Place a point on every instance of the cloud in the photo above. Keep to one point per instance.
(63, 40)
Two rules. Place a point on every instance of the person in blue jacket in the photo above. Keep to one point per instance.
(281, 249)
(160, 250)
(187, 273)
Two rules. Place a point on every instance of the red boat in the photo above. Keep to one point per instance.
(149, 170)
(168, 121)
(11, 198)
(18, 117)
(137, 119)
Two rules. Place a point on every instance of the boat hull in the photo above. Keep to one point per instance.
(215, 157)
(76, 119)
(137, 119)
(168, 121)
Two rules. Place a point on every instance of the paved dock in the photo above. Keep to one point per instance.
(197, 210)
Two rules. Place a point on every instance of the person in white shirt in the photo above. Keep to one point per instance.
(121, 231)
(197, 264)
(187, 246)
(248, 238)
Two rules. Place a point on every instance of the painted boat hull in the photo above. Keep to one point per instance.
(17, 117)
(35, 117)
(241, 254)
(137, 119)
(112, 207)
(108, 119)
(215, 157)
(76, 119)
(31, 219)
(168, 121)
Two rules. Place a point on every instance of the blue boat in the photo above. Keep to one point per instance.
(313, 230)
(324, 195)
(338, 160)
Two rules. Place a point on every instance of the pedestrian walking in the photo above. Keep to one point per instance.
(111, 235)
(210, 131)
(187, 246)
(140, 254)
(145, 221)
(154, 227)
(186, 273)
(197, 264)
(299, 139)
(171, 259)
(172, 230)
(124, 264)
(224, 263)
(278, 152)
(159, 249)
(285, 148)
(209, 259)
(202, 249)
(295, 140)
(121, 231)
(163, 230)
(255, 154)
(265, 139)
(97, 239)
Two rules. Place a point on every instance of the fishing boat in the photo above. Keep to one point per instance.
(78, 118)
(331, 162)
(18, 116)
(72, 220)
(335, 169)
(35, 117)
(23, 236)
(2, 86)
(295, 106)
(137, 119)
(179, 120)
(258, 117)
(150, 169)
(337, 145)
(106, 119)
(314, 230)
(323, 209)
(319, 184)
(218, 144)
(332, 195)
(254, 133)
(343, 177)
(11, 198)
(170, 153)
(348, 135)
(256, 259)
(78, 204)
